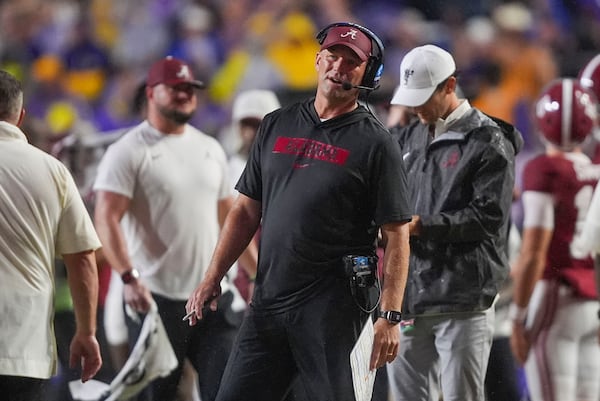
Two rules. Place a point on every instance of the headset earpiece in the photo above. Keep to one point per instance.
(374, 69)
(323, 34)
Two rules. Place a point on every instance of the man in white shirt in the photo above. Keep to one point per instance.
(42, 216)
(162, 194)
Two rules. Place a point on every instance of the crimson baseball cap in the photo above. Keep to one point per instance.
(421, 71)
(351, 37)
(171, 71)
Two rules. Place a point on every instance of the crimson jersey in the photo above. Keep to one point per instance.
(570, 180)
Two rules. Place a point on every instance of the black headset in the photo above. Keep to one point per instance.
(374, 68)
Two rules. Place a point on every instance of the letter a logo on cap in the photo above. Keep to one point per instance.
(184, 72)
(352, 33)
(350, 37)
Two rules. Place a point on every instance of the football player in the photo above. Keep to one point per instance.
(554, 301)
(589, 77)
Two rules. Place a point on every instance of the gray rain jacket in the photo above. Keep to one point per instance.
(461, 186)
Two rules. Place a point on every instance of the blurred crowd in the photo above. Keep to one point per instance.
(82, 61)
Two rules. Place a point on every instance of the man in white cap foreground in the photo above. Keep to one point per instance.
(460, 166)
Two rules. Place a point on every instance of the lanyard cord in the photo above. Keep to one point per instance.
(365, 309)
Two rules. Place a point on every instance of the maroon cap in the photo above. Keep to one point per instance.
(171, 71)
(351, 37)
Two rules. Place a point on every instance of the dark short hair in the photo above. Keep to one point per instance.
(11, 93)
(441, 85)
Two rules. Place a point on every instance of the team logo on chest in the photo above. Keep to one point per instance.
(311, 149)
(451, 160)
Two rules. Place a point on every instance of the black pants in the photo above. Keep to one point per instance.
(207, 345)
(311, 342)
(501, 381)
(16, 388)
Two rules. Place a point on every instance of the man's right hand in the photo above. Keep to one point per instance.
(137, 296)
(206, 294)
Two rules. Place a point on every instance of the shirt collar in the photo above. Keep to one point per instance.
(442, 125)
(9, 131)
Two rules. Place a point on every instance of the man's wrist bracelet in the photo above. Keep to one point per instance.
(129, 276)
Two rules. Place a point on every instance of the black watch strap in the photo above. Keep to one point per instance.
(392, 316)
(130, 275)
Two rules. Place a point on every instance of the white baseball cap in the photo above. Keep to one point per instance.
(255, 103)
(421, 71)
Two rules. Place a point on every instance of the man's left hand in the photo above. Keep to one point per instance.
(85, 352)
(385, 344)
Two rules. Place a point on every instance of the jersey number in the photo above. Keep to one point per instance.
(582, 204)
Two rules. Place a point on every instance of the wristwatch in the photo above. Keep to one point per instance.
(392, 316)
(129, 276)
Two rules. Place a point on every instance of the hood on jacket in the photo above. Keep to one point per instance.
(510, 132)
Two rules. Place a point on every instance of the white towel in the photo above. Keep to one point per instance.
(151, 357)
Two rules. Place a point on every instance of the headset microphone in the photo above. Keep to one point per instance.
(347, 86)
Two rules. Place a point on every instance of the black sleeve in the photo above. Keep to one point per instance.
(390, 185)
